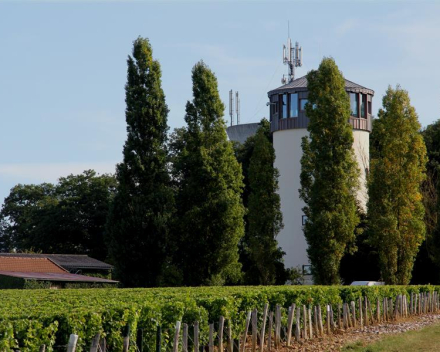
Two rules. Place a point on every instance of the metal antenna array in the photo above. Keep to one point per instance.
(237, 107)
(292, 57)
(231, 107)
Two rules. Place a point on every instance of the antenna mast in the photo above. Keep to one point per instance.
(292, 57)
(237, 107)
(231, 106)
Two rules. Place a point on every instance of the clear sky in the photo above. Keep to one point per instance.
(63, 66)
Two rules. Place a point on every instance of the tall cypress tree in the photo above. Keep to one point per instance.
(329, 173)
(395, 208)
(209, 221)
(264, 216)
(137, 227)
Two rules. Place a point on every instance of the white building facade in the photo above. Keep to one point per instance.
(289, 125)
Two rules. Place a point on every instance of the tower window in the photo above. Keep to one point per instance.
(364, 106)
(284, 102)
(294, 105)
(303, 103)
(369, 107)
(304, 219)
(354, 104)
(307, 269)
(274, 106)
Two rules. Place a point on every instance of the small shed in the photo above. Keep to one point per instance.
(73, 263)
(34, 272)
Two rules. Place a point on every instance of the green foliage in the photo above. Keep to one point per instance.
(263, 258)
(395, 208)
(8, 282)
(68, 217)
(353, 266)
(32, 318)
(431, 136)
(429, 253)
(34, 284)
(329, 173)
(295, 276)
(209, 219)
(137, 228)
(88, 285)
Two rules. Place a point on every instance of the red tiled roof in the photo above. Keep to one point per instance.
(29, 265)
(67, 261)
(64, 276)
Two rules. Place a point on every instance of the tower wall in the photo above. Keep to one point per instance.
(288, 151)
(361, 147)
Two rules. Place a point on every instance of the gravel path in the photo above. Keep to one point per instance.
(368, 334)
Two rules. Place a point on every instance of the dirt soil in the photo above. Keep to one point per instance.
(368, 334)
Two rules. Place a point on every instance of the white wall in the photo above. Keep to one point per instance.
(288, 151)
(361, 146)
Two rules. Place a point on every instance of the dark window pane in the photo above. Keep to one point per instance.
(354, 101)
(369, 107)
(304, 219)
(294, 105)
(284, 106)
(303, 103)
(363, 105)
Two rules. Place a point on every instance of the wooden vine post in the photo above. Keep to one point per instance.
(95, 343)
(263, 327)
(221, 325)
(269, 333)
(196, 337)
(248, 319)
(254, 330)
(185, 338)
(71, 345)
(211, 338)
(176, 338)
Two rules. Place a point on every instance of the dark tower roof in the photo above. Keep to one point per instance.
(300, 84)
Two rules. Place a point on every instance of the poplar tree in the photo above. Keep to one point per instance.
(264, 216)
(209, 221)
(138, 223)
(395, 208)
(329, 173)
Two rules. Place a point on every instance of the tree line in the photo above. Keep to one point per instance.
(192, 208)
(345, 241)
(178, 211)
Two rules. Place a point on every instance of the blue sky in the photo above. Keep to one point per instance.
(63, 66)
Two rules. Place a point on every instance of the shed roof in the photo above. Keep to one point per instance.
(31, 265)
(67, 261)
(56, 277)
(300, 84)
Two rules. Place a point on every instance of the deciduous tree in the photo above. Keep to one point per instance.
(264, 215)
(395, 207)
(68, 217)
(209, 221)
(329, 173)
(138, 225)
(259, 252)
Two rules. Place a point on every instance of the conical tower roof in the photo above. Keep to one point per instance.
(300, 84)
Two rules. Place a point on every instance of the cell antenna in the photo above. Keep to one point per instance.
(237, 107)
(292, 57)
(231, 106)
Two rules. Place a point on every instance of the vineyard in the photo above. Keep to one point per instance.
(31, 318)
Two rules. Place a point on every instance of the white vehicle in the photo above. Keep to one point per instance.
(367, 283)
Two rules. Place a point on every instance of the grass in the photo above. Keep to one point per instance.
(426, 339)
